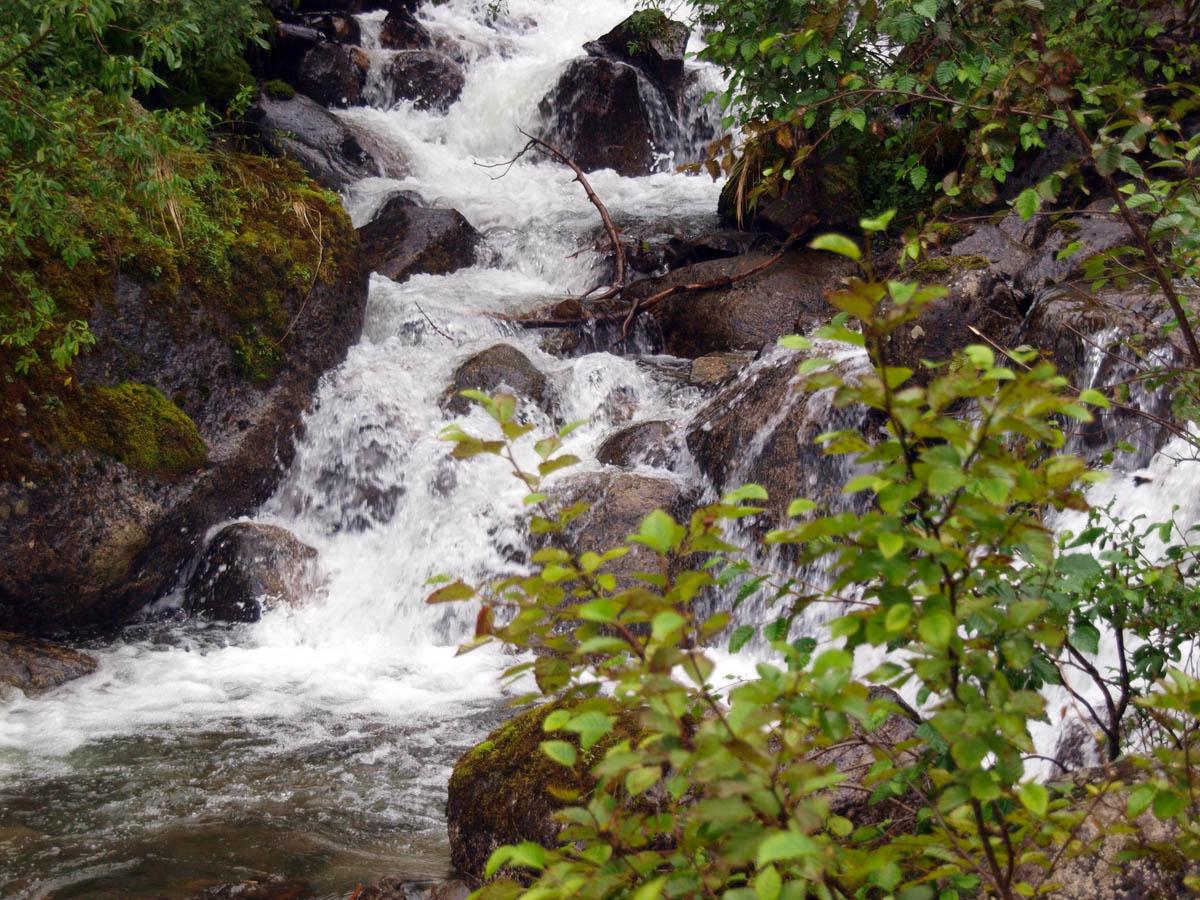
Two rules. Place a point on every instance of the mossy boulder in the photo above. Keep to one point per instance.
(184, 412)
(502, 791)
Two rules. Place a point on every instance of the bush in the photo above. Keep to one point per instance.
(948, 578)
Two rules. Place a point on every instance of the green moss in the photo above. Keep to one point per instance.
(940, 266)
(279, 90)
(137, 425)
(1065, 226)
(257, 358)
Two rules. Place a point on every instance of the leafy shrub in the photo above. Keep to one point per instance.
(950, 579)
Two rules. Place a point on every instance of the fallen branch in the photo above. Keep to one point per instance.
(550, 150)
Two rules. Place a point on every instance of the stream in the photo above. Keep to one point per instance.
(317, 743)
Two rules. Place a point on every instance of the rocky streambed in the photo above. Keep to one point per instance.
(259, 696)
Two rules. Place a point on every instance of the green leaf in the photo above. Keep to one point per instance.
(890, 543)
(1034, 797)
(879, 223)
(451, 593)
(836, 243)
(936, 627)
(740, 637)
(665, 623)
(783, 845)
(659, 532)
(560, 751)
(603, 610)
(1027, 203)
(1139, 800)
(651, 890)
(641, 779)
(1168, 804)
(897, 618)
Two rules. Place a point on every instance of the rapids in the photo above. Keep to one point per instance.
(317, 742)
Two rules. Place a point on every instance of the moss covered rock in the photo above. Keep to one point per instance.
(503, 790)
(209, 344)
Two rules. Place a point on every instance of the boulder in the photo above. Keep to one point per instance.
(249, 568)
(184, 413)
(333, 75)
(787, 297)
(498, 792)
(402, 31)
(646, 443)
(607, 115)
(431, 80)
(497, 367)
(322, 144)
(649, 41)
(618, 503)
(35, 666)
(290, 41)
(340, 29)
(761, 429)
(405, 239)
(823, 195)
(714, 369)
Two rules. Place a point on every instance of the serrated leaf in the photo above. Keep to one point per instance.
(561, 752)
(1027, 203)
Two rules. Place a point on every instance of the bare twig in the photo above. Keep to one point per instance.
(432, 324)
(536, 143)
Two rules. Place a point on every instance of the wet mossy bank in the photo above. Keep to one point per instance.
(211, 332)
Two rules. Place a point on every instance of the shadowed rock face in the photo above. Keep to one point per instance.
(249, 568)
(35, 666)
(333, 75)
(606, 115)
(431, 80)
(404, 240)
(649, 443)
(190, 402)
(499, 367)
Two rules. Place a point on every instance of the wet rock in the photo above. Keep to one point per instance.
(979, 302)
(290, 41)
(646, 443)
(783, 299)
(431, 80)
(402, 31)
(1081, 237)
(607, 115)
(324, 146)
(649, 41)
(655, 247)
(333, 75)
(404, 240)
(394, 888)
(854, 757)
(35, 666)
(619, 404)
(761, 429)
(498, 792)
(714, 369)
(249, 568)
(186, 415)
(1077, 747)
(340, 29)
(265, 889)
(497, 367)
(619, 501)
(1124, 860)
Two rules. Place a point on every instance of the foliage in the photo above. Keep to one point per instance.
(947, 569)
(83, 163)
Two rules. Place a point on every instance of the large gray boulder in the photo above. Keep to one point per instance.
(783, 299)
(428, 78)
(323, 145)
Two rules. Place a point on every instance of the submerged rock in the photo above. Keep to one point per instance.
(785, 298)
(499, 367)
(405, 239)
(35, 666)
(399, 888)
(249, 568)
(607, 115)
(431, 80)
(714, 369)
(263, 889)
(322, 144)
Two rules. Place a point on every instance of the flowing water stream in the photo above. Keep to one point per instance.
(317, 742)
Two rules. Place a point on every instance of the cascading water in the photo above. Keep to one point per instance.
(317, 742)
